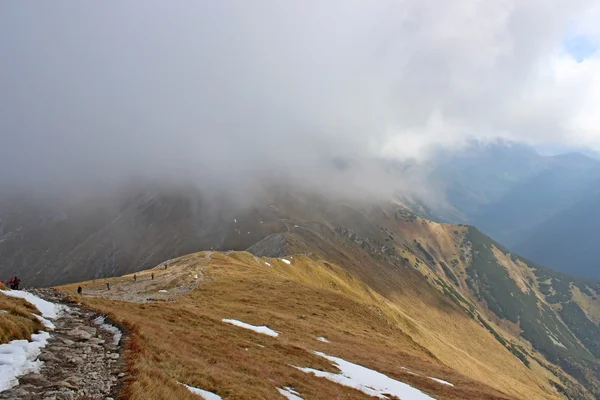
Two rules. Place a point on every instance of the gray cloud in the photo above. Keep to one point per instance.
(234, 90)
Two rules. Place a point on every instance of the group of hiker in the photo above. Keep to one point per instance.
(14, 283)
(134, 279)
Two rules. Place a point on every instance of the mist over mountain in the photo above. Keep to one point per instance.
(539, 206)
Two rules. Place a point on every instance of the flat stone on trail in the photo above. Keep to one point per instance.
(79, 334)
(33, 379)
(48, 357)
(90, 329)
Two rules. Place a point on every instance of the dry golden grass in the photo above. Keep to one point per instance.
(588, 303)
(16, 319)
(184, 340)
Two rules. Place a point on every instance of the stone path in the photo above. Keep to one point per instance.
(81, 360)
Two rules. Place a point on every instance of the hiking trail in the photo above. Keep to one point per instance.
(82, 359)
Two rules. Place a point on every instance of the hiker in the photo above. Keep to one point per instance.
(107, 285)
(17, 282)
(79, 290)
(134, 277)
(152, 276)
(11, 283)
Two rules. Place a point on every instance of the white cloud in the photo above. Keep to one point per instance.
(237, 89)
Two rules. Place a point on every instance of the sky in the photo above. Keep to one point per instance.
(232, 90)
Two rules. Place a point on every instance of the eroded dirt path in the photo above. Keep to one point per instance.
(171, 279)
(82, 359)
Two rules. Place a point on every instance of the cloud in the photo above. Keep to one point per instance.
(229, 91)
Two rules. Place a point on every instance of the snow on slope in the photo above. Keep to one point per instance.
(205, 394)
(100, 321)
(260, 329)
(440, 381)
(367, 380)
(18, 357)
(48, 309)
(289, 393)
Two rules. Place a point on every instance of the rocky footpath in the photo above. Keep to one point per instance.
(81, 361)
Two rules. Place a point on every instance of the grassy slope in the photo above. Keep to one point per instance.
(17, 320)
(502, 298)
(511, 304)
(186, 341)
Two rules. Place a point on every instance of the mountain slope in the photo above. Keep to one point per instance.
(568, 241)
(486, 314)
(46, 244)
(184, 339)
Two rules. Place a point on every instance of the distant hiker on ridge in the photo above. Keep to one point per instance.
(107, 285)
(16, 283)
(134, 277)
(79, 290)
(152, 276)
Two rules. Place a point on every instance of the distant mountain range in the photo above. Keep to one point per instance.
(541, 206)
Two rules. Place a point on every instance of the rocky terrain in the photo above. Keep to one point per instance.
(82, 359)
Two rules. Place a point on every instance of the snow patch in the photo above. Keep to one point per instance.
(322, 339)
(100, 321)
(18, 357)
(440, 381)
(205, 394)
(289, 393)
(285, 260)
(46, 322)
(48, 309)
(260, 329)
(556, 342)
(196, 276)
(554, 339)
(267, 263)
(408, 371)
(366, 380)
(163, 291)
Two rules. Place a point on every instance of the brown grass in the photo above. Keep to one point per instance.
(16, 319)
(184, 340)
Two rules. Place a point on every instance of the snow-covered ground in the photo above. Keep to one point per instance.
(366, 380)
(260, 329)
(205, 394)
(289, 393)
(285, 260)
(322, 339)
(18, 357)
(48, 309)
(46, 322)
(101, 322)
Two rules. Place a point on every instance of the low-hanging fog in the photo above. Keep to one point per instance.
(230, 93)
